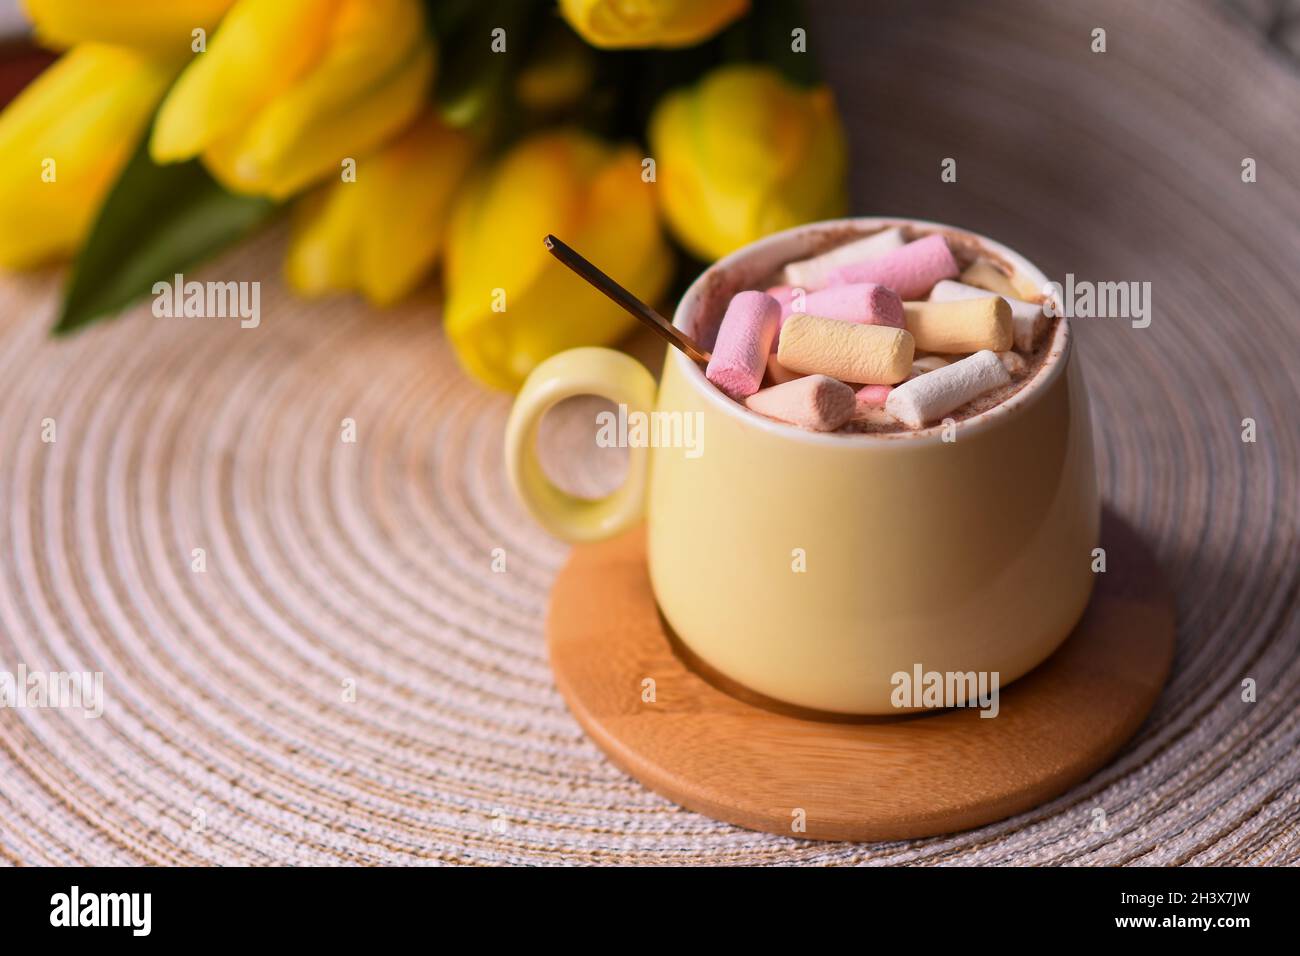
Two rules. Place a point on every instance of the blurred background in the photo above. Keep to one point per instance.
(372, 560)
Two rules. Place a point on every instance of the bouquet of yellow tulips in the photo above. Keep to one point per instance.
(400, 134)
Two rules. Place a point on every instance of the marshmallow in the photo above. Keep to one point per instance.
(873, 395)
(869, 354)
(783, 294)
(930, 397)
(873, 415)
(1014, 363)
(986, 275)
(910, 271)
(1027, 319)
(812, 273)
(778, 373)
(966, 325)
(815, 402)
(743, 343)
(864, 302)
(927, 363)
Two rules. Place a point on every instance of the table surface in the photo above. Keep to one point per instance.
(350, 680)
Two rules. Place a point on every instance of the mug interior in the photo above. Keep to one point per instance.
(757, 265)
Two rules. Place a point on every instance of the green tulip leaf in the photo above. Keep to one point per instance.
(156, 222)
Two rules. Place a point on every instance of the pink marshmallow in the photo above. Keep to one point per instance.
(865, 303)
(744, 341)
(910, 271)
(816, 402)
(782, 294)
(873, 394)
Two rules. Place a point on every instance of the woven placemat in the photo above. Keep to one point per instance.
(351, 681)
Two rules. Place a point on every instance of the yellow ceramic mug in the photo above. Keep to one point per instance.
(812, 567)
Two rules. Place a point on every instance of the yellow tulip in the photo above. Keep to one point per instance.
(509, 304)
(744, 154)
(160, 27)
(642, 23)
(63, 142)
(288, 90)
(380, 234)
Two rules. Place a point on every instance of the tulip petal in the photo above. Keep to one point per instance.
(751, 125)
(744, 154)
(685, 202)
(663, 23)
(587, 193)
(408, 205)
(619, 227)
(299, 139)
(160, 27)
(537, 183)
(322, 252)
(259, 51)
(799, 199)
(85, 113)
(381, 234)
(365, 87)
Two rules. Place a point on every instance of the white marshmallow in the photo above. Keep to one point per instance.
(1014, 362)
(812, 273)
(1027, 318)
(929, 397)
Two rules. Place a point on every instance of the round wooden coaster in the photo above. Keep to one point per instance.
(717, 749)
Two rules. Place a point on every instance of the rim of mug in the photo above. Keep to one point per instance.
(1052, 366)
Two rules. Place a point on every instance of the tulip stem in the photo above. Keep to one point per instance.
(675, 336)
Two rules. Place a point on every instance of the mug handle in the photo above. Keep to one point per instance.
(586, 371)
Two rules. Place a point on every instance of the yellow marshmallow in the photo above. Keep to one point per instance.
(986, 275)
(778, 373)
(866, 354)
(967, 325)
